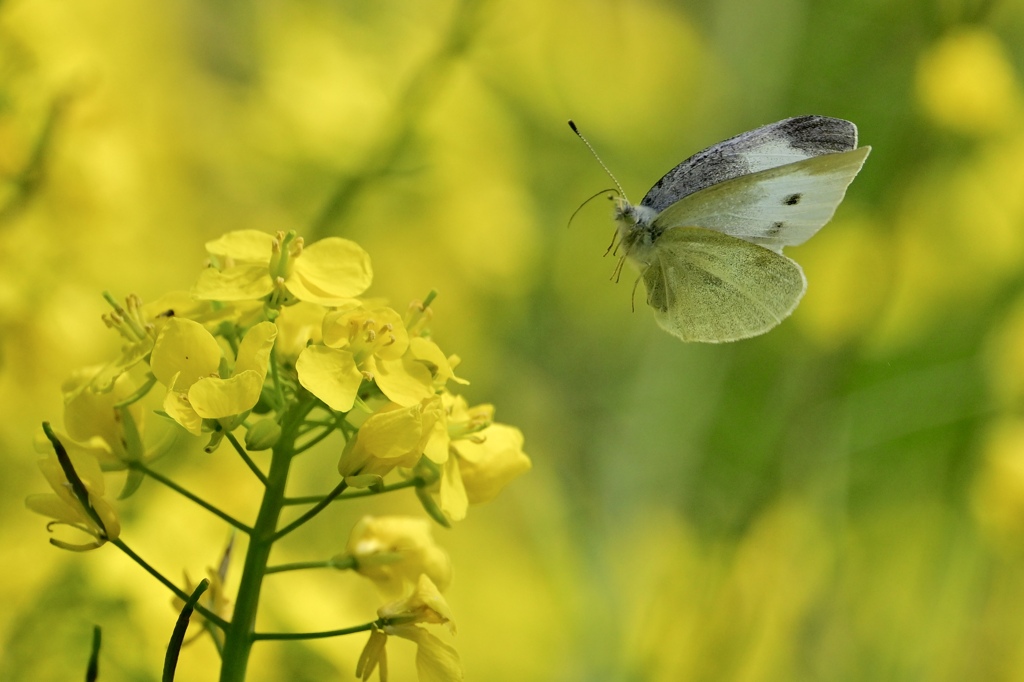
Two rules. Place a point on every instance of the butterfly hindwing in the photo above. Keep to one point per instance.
(770, 146)
(711, 287)
(777, 207)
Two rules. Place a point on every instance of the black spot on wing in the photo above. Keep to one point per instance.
(793, 199)
(775, 228)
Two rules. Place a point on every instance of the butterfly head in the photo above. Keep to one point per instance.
(633, 216)
(634, 224)
(633, 233)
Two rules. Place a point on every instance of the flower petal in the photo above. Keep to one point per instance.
(431, 355)
(489, 462)
(404, 381)
(374, 653)
(184, 348)
(56, 508)
(254, 351)
(298, 325)
(177, 407)
(240, 283)
(329, 374)
(453, 498)
(392, 431)
(436, 661)
(330, 272)
(243, 246)
(215, 398)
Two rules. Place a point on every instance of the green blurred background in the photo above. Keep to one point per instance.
(841, 499)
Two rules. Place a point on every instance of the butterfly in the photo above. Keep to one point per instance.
(708, 237)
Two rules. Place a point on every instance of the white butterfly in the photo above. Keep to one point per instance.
(708, 237)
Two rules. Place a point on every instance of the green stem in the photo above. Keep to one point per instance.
(275, 373)
(369, 492)
(328, 430)
(195, 498)
(178, 592)
(319, 507)
(348, 563)
(245, 457)
(240, 636)
(318, 635)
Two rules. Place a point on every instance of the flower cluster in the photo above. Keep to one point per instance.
(275, 349)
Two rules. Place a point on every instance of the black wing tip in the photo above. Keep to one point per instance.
(821, 133)
(817, 118)
(818, 121)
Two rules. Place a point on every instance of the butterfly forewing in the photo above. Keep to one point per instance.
(778, 207)
(776, 144)
(707, 286)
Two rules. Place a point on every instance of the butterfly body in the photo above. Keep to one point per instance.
(636, 233)
(708, 237)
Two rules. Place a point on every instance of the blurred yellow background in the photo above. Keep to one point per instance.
(841, 499)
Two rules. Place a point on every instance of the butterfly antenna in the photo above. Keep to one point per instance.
(580, 207)
(592, 151)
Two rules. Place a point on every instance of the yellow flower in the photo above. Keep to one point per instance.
(441, 368)
(424, 605)
(458, 420)
(484, 456)
(93, 418)
(362, 343)
(393, 436)
(114, 425)
(490, 460)
(298, 326)
(249, 265)
(139, 324)
(421, 372)
(366, 332)
(354, 339)
(393, 551)
(477, 457)
(66, 509)
(187, 359)
(436, 661)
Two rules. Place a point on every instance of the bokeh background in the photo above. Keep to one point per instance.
(841, 499)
